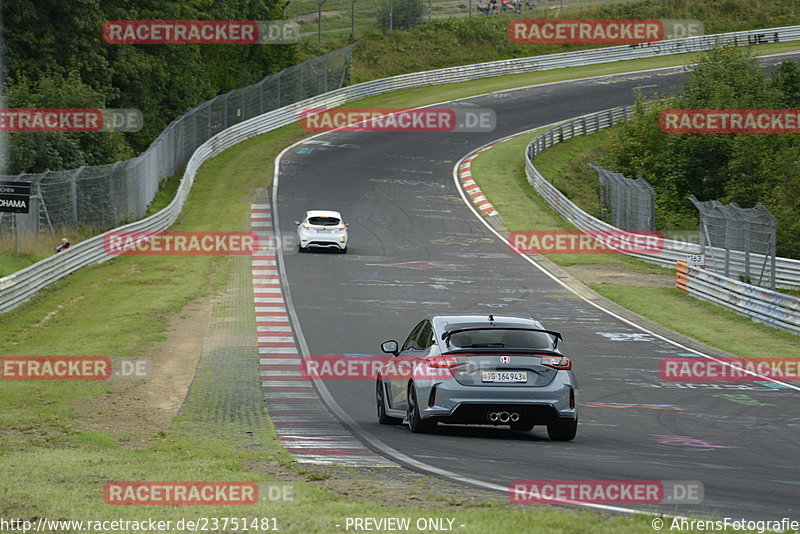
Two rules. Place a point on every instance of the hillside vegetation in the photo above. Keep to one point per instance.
(461, 41)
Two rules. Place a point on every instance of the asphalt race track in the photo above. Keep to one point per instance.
(417, 248)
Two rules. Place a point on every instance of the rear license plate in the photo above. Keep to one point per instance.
(504, 377)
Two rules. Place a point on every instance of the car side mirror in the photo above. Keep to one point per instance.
(347, 225)
(297, 223)
(390, 347)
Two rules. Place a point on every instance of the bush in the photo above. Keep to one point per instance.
(404, 14)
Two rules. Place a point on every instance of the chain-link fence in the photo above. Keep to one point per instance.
(319, 19)
(738, 242)
(625, 203)
(106, 196)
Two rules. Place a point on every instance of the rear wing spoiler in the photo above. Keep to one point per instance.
(556, 335)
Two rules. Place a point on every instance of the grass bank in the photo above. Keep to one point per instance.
(461, 41)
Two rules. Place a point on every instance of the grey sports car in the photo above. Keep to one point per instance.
(482, 370)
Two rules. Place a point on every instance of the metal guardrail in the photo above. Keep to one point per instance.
(787, 270)
(762, 305)
(22, 285)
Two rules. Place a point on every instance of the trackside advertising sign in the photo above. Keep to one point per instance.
(15, 197)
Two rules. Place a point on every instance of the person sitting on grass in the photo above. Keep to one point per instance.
(482, 7)
(63, 246)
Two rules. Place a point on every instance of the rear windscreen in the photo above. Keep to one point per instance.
(501, 338)
(324, 221)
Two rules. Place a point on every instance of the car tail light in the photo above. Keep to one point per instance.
(441, 362)
(571, 398)
(557, 362)
(306, 225)
(341, 226)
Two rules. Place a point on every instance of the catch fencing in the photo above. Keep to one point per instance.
(626, 203)
(746, 232)
(105, 196)
(22, 285)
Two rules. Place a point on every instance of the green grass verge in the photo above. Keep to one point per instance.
(703, 321)
(500, 173)
(567, 165)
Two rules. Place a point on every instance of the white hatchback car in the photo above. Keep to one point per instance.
(322, 229)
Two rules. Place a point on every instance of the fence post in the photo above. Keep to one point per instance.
(391, 15)
(74, 194)
(319, 22)
(325, 76)
(352, 19)
(746, 239)
(112, 192)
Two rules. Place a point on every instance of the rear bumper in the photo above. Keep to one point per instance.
(317, 243)
(456, 403)
(336, 239)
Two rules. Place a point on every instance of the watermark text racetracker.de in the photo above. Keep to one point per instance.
(606, 491)
(70, 120)
(201, 32)
(73, 368)
(730, 121)
(418, 120)
(601, 30)
(117, 243)
(185, 493)
(585, 242)
(367, 367)
(728, 369)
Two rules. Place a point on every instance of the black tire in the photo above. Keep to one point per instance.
(344, 250)
(522, 426)
(300, 248)
(416, 424)
(563, 429)
(382, 417)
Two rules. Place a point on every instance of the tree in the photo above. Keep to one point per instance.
(38, 152)
(786, 80)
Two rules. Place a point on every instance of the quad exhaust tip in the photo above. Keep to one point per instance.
(503, 417)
